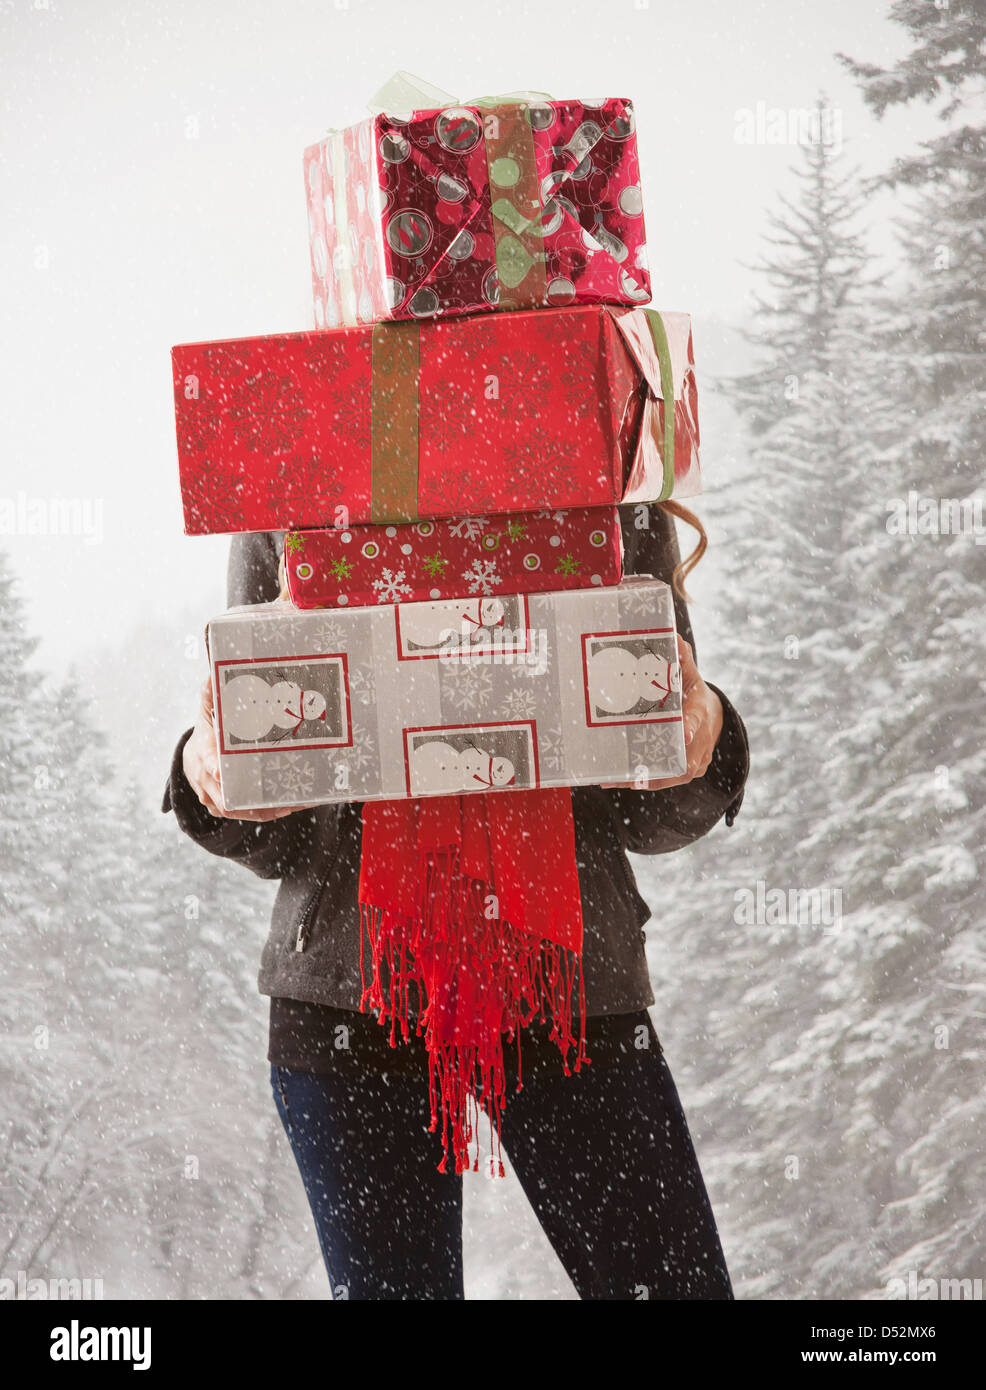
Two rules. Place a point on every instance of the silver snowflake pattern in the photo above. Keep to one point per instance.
(390, 587)
(482, 577)
(467, 687)
(521, 704)
(558, 517)
(296, 631)
(289, 779)
(362, 754)
(468, 528)
(652, 746)
(362, 685)
(551, 749)
(643, 601)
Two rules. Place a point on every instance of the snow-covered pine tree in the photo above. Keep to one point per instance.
(20, 729)
(787, 617)
(918, 817)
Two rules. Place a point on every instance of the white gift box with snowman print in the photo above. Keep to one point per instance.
(446, 698)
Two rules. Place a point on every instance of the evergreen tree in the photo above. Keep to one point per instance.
(20, 730)
(835, 1099)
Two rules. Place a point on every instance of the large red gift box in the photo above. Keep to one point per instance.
(526, 552)
(463, 209)
(451, 417)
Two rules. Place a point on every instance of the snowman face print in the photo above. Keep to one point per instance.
(452, 759)
(433, 629)
(631, 677)
(301, 703)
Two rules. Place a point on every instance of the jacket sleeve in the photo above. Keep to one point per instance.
(268, 848)
(656, 822)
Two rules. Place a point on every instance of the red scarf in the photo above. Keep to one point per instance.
(474, 900)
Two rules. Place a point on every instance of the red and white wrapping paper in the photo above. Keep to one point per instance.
(467, 209)
(526, 552)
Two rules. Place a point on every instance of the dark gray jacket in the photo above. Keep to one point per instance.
(312, 951)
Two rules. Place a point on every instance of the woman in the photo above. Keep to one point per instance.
(604, 1155)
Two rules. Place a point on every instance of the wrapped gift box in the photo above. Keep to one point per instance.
(453, 417)
(426, 699)
(524, 552)
(464, 209)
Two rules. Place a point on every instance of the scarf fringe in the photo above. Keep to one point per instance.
(477, 980)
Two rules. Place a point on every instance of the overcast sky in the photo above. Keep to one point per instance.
(152, 191)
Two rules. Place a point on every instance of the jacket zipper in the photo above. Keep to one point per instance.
(307, 918)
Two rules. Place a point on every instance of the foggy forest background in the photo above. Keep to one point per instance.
(831, 1072)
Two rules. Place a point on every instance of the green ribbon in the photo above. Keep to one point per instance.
(515, 201)
(658, 333)
(510, 99)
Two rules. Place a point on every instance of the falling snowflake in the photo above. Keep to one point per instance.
(468, 528)
(482, 577)
(391, 587)
(521, 704)
(468, 687)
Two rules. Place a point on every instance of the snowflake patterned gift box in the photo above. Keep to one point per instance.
(524, 552)
(389, 701)
(463, 210)
(589, 406)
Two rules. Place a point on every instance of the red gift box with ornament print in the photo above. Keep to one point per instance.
(525, 552)
(472, 208)
(549, 408)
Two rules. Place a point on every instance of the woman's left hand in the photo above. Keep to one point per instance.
(701, 711)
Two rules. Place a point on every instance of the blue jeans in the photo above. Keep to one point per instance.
(604, 1156)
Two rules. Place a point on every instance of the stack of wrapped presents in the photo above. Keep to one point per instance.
(445, 454)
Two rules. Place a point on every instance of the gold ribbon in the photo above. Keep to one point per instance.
(394, 422)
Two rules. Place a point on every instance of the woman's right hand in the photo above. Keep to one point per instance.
(200, 762)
